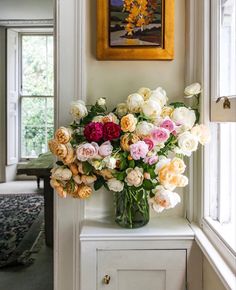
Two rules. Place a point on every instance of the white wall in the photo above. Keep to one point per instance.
(26, 9)
(210, 280)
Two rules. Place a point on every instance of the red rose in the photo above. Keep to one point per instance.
(93, 131)
(111, 131)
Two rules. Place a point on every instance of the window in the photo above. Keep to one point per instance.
(36, 93)
(220, 157)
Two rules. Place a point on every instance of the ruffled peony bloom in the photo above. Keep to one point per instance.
(87, 151)
(159, 95)
(134, 176)
(160, 135)
(139, 150)
(78, 110)
(105, 149)
(111, 131)
(192, 90)
(115, 185)
(63, 135)
(151, 109)
(135, 103)
(168, 125)
(93, 131)
(128, 123)
(184, 116)
(163, 199)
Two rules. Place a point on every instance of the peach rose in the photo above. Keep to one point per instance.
(177, 165)
(84, 191)
(88, 179)
(63, 135)
(128, 123)
(127, 140)
(58, 188)
(57, 149)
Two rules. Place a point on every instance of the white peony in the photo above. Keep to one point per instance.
(145, 92)
(135, 103)
(184, 116)
(144, 128)
(191, 90)
(78, 110)
(188, 143)
(115, 185)
(121, 110)
(163, 199)
(110, 162)
(151, 109)
(202, 132)
(159, 95)
(101, 101)
(134, 176)
(61, 173)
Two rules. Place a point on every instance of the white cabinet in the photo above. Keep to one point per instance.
(159, 256)
(141, 269)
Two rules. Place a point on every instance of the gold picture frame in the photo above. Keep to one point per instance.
(106, 51)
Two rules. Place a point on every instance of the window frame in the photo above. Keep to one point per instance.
(22, 32)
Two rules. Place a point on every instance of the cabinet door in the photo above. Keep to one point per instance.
(141, 270)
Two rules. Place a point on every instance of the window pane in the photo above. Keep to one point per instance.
(36, 125)
(37, 65)
(228, 48)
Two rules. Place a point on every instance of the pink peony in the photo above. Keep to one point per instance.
(168, 125)
(160, 135)
(111, 131)
(105, 149)
(87, 151)
(139, 150)
(149, 142)
(151, 160)
(93, 131)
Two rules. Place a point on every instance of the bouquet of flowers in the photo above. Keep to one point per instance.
(136, 151)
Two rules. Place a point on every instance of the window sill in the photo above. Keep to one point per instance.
(224, 272)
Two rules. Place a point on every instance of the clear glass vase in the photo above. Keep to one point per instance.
(132, 208)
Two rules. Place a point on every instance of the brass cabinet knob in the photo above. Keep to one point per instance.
(106, 279)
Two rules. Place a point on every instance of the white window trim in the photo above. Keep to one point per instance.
(198, 70)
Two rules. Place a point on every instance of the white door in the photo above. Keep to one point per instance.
(141, 270)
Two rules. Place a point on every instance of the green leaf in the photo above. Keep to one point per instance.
(87, 167)
(131, 164)
(98, 183)
(123, 164)
(120, 175)
(178, 105)
(197, 114)
(60, 163)
(139, 195)
(148, 185)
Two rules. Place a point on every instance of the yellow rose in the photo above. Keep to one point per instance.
(84, 191)
(177, 165)
(128, 123)
(166, 111)
(63, 135)
(127, 140)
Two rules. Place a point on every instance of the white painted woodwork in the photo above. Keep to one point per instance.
(12, 97)
(142, 269)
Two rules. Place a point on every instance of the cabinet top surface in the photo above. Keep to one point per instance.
(157, 229)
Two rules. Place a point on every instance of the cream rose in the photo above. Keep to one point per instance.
(145, 92)
(184, 116)
(177, 165)
(115, 185)
(88, 179)
(202, 132)
(159, 95)
(166, 111)
(101, 101)
(134, 177)
(144, 128)
(135, 103)
(78, 110)
(188, 143)
(151, 109)
(191, 90)
(128, 123)
(87, 151)
(61, 173)
(110, 162)
(121, 109)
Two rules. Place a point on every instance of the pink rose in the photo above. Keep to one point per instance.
(151, 160)
(105, 149)
(93, 131)
(87, 151)
(168, 125)
(149, 142)
(160, 135)
(139, 150)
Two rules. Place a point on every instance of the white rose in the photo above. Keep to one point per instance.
(151, 109)
(145, 92)
(115, 185)
(193, 89)
(78, 110)
(135, 103)
(188, 143)
(110, 162)
(202, 132)
(163, 199)
(61, 173)
(159, 95)
(101, 101)
(184, 116)
(121, 110)
(134, 177)
(144, 128)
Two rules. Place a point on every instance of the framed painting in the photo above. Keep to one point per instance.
(135, 29)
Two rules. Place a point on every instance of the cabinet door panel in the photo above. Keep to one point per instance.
(142, 269)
